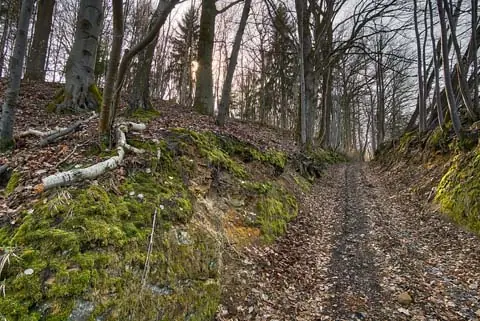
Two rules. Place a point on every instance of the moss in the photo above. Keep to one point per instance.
(57, 100)
(12, 183)
(97, 95)
(406, 139)
(274, 211)
(144, 115)
(304, 184)
(91, 244)
(458, 193)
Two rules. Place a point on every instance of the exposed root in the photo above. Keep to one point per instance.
(80, 174)
(55, 134)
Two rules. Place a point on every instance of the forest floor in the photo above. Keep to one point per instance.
(363, 247)
(360, 249)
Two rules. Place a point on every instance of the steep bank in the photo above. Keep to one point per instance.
(437, 168)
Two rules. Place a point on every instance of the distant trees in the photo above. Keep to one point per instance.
(38, 53)
(184, 54)
(336, 76)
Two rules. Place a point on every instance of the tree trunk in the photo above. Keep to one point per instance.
(452, 105)
(421, 92)
(164, 8)
(140, 92)
(204, 84)
(117, 7)
(224, 108)
(436, 69)
(16, 64)
(299, 6)
(461, 67)
(36, 59)
(80, 93)
(3, 42)
(476, 104)
(140, 95)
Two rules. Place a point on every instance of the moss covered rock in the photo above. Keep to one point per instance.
(458, 193)
(94, 253)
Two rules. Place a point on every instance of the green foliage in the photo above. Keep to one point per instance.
(12, 183)
(458, 193)
(57, 100)
(97, 95)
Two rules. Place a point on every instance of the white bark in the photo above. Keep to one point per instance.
(91, 172)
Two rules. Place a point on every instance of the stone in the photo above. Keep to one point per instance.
(404, 298)
(82, 311)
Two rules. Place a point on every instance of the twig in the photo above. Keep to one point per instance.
(67, 157)
(149, 251)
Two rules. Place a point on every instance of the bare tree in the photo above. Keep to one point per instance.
(223, 110)
(452, 104)
(15, 69)
(38, 53)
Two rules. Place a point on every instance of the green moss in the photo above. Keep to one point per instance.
(406, 139)
(12, 183)
(57, 100)
(144, 115)
(458, 193)
(97, 95)
(274, 211)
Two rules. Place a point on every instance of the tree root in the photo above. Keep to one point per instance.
(55, 134)
(75, 175)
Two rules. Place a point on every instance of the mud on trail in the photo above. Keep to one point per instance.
(359, 250)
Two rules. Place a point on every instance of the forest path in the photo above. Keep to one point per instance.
(360, 252)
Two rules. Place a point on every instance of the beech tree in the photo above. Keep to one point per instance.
(80, 92)
(16, 63)
(203, 102)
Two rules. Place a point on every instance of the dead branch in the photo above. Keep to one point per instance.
(91, 172)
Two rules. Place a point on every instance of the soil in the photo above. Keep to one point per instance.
(360, 249)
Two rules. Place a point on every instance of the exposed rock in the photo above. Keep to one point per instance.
(81, 311)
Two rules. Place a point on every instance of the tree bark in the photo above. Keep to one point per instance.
(224, 108)
(16, 64)
(476, 103)
(36, 60)
(117, 7)
(203, 102)
(164, 8)
(80, 90)
(3, 41)
(140, 92)
(436, 69)
(421, 92)
(461, 66)
(299, 6)
(452, 105)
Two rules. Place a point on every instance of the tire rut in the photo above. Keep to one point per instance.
(356, 288)
(354, 247)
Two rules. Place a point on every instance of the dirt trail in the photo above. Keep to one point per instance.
(354, 248)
